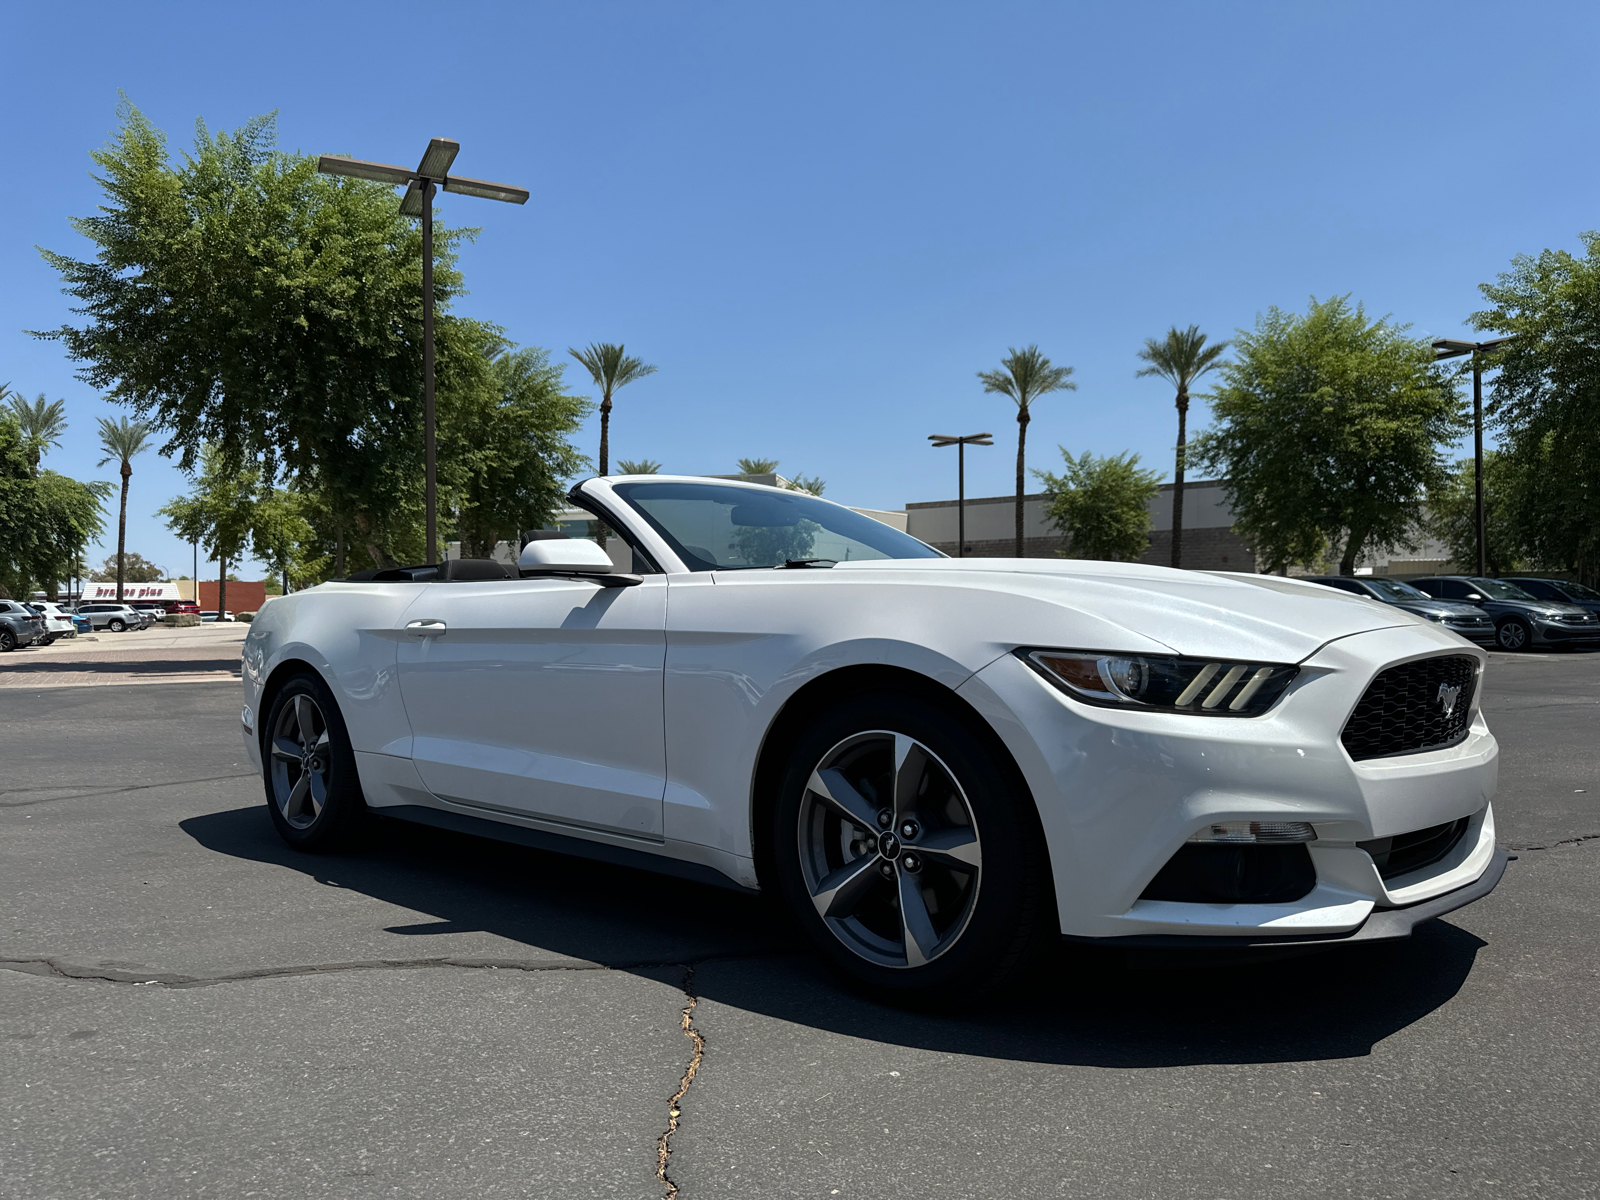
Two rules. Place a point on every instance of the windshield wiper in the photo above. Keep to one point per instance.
(810, 562)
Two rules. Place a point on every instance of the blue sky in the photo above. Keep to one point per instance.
(821, 220)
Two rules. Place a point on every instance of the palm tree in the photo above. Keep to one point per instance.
(1180, 360)
(611, 369)
(638, 466)
(121, 442)
(757, 466)
(43, 422)
(1025, 375)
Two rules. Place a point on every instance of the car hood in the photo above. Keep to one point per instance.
(1449, 608)
(1136, 607)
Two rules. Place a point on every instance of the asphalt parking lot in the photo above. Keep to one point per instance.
(188, 1008)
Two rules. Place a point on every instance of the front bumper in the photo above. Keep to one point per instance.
(1120, 792)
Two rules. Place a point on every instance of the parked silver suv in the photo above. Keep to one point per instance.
(112, 616)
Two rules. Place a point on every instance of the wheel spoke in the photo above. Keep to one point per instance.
(840, 891)
(303, 709)
(837, 792)
(297, 797)
(910, 768)
(319, 793)
(920, 939)
(284, 750)
(956, 847)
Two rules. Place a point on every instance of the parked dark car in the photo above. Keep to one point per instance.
(1563, 591)
(1470, 621)
(1520, 621)
(19, 625)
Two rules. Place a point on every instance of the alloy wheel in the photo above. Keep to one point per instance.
(1513, 635)
(889, 849)
(300, 757)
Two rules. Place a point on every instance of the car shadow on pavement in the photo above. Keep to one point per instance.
(1088, 1007)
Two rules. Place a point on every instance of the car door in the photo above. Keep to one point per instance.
(540, 698)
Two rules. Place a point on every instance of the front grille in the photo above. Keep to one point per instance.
(1404, 710)
(1407, 852)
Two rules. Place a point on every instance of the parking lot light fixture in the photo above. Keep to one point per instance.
(1453, 348)
(961, 443)
(432, 172)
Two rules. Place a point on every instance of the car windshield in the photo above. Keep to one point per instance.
(1393, 589)
(1499, 589)
(1579, 591)
(720, 527)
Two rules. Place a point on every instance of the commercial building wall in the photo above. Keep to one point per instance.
(1209, 543)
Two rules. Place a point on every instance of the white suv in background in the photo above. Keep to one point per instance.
(112, 616)
(57, 621)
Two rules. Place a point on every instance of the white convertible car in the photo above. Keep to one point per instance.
(940, 764)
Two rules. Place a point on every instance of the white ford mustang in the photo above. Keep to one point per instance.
(940, 764)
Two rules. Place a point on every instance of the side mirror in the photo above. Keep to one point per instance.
(565, 554)
(1473, 596)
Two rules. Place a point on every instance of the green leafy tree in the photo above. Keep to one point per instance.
(638, 466)
(1024, 376)
(42, 423)
(122, 441)
(46, 519)
(1180, 358)
(757, 466)
(1546, 400)
(512, 447)
(1101, 505)
(1330, 429)
(221, 513)
(1452, 514)
(241, 301)
(813, 485)
(136, 568)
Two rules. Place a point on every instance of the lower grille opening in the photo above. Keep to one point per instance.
(1211, 874)
(1407, 852)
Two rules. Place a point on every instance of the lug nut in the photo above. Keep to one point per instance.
(885, 818)
(909, 830)
(872, 845)
(886, 871)
(912, 862)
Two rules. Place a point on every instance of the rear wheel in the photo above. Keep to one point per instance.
(116, 625)
(909, 851)
(309, 769)
(8, 640)
(1513, 634)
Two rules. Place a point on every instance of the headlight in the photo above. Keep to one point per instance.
(1437, 616)
(1207, 687)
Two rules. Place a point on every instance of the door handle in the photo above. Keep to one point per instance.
(427, 627)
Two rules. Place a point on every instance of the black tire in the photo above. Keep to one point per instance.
(116, 625)
(337, 821)
(997, 925)
(1513, 634)
(8, 640)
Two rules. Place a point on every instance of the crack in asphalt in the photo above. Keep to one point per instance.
(675, 1105)
(110, 791)
(58, 969)
(1571, 841)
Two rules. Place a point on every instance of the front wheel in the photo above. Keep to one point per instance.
(8, 640)
(116, 625)
(907, 847)
(1513, 634)
(309, 768)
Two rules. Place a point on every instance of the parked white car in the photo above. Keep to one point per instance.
(209, 615)
(940, 764)
(57, 620)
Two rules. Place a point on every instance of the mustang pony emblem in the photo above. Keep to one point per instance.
(1447, 697)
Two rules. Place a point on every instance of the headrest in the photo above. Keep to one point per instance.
(467, 569)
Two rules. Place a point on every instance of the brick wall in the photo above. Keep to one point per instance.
(244, 595)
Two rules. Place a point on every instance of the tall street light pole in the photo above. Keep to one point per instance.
(940, 440)
(432, 172)
(1451, 348)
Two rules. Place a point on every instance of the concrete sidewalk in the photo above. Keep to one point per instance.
(198, 654)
